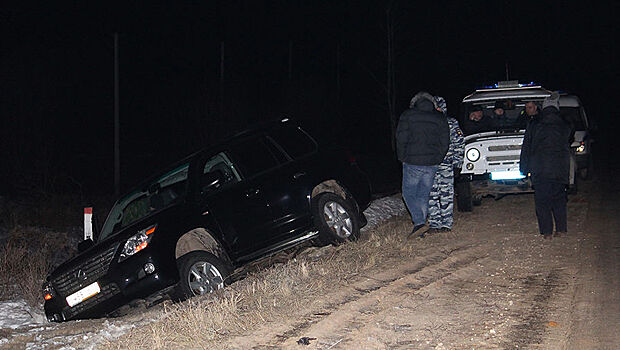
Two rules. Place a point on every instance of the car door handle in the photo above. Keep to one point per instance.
(298, 175)
(252, 192)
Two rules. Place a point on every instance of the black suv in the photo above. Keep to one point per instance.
(184, 230)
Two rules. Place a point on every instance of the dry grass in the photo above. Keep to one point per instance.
(25, 259)
(283, 291)
(37, 235)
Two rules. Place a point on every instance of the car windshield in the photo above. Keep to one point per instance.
(483, 116)
(150, 198)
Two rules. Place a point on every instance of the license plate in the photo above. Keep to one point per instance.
(83, 294)
(507, 175)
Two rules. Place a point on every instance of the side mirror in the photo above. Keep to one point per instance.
(211, 180)
(85, 245)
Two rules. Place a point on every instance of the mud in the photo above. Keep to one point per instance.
(492, 283)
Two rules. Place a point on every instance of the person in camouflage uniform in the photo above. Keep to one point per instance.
(441, 201)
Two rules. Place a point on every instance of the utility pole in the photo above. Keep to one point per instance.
(338, 59)
(117, 163)
(390, 27)
(290, 60)
(507, 72)
(222, 57)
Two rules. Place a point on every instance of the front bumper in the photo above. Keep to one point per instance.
(123, 282)
(482, 185)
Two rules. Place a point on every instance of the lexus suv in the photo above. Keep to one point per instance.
(185, 229)
(491, 162)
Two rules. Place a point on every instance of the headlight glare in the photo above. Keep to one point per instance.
(473, 154)
(581, 148)
(137, 242)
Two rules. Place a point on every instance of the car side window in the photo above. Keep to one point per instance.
(295, 142)
(254, 156)
(222, 163)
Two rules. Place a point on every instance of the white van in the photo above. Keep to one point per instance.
(491, 162)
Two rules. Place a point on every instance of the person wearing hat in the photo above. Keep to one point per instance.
(422, 140)
(477, 122)
(545, 156)
(441, 201)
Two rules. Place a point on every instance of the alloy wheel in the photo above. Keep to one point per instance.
(204, 278)
(337, 219)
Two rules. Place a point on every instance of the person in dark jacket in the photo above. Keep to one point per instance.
(422, 140)
(477, 122)
(545, 156)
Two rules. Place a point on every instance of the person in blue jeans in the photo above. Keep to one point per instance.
(422, 141)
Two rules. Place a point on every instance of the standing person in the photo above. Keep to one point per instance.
(441, 201)
(545, 155)
(422, 139)
(529, 113)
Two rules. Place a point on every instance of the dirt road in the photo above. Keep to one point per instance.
(493, 283)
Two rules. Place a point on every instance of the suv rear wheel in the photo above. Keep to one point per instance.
(200, 273)
(335, 218)
(464, 199)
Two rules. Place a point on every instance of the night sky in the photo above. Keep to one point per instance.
(321, 62)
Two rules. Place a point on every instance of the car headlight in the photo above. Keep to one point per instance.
(581, 148)
(48, 291)
(137, 242)
(473, 154)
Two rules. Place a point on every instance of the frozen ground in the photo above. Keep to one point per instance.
(17, 315)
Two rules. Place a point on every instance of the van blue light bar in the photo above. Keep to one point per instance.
(508, 85)
(507, 175)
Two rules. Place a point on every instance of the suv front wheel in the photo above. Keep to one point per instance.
(335, 218)
(200, 273)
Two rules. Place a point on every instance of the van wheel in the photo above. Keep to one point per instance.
(335, 219)
(464, 200)
(572, 188)
(586, 173)
(200, 273)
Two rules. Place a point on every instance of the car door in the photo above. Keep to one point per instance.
(288, 188)
(237, 204)
(259, 165)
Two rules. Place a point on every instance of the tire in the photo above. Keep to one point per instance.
(572, 189)
(200, 273)
(586, 173)
(464, 198)
(335, 218)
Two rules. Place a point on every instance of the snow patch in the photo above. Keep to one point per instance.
(16, 313)
(382, 209)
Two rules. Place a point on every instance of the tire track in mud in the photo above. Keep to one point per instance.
(529, 330)
(352, 319)
(357, 300)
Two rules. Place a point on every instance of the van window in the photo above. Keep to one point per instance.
(572, 115)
